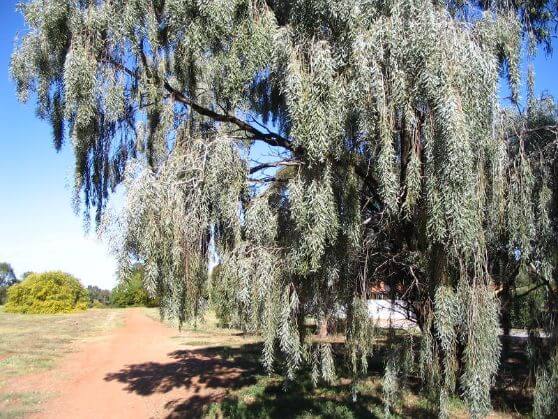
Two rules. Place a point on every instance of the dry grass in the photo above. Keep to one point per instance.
(206, 333)
(32, 343)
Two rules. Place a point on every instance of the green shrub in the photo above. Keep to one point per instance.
(97, 304)
(47, 293)
(131, 292)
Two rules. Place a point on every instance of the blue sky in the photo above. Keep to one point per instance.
(38, 228)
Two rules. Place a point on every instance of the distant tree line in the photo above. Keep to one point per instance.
(7, 279)
(97, 296)
(129, 291)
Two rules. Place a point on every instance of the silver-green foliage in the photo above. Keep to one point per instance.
(533, 188)
(384, 113)
(546, 391)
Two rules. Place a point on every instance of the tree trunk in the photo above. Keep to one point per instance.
(505, 313)
(323, 326)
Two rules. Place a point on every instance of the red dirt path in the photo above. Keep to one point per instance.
(138, 371)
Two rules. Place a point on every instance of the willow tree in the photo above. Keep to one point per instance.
(381, 121)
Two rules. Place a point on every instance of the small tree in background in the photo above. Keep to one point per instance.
(97, 296)
(47, 293)
(131, 292)
(7, 275)
(7, 279)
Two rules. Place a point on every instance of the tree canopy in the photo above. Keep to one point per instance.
(131, 291)
(390, 159)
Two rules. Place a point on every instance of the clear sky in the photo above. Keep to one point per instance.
(38, 228)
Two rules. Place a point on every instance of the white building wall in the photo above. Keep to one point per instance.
(386, 311)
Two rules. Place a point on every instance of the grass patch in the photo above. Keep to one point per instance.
(257, 395)
(30, 343)
(270, 398)
(19, 404)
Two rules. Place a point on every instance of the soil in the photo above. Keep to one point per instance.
(137, 371)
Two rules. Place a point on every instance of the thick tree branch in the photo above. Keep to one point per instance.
(268, 179)
(523, 291)
(550, 286)
(274, 164)
(543, 128)
(270, 138)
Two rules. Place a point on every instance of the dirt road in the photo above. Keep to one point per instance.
(138, 371)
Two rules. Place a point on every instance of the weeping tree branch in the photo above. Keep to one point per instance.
(270, 138)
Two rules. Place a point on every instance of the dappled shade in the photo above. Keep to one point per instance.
(193, 370)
